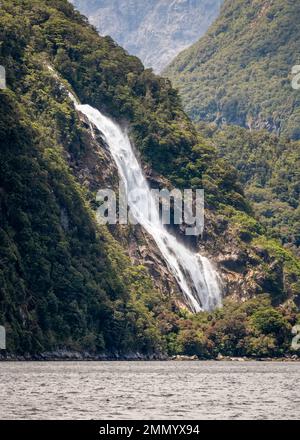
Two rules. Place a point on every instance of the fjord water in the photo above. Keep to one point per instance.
(150, 390)
(197, 278)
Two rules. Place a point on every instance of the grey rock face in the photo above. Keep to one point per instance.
(154, 30)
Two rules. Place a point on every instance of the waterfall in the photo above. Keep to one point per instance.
(198, 280)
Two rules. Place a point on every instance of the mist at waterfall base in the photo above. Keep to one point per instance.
(195, 275)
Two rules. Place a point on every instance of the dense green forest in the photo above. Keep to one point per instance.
(65, 282)
(268, 167)
(240, 72)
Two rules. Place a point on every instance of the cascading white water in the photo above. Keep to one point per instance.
(194, 273)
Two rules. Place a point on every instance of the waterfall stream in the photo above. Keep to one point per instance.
(197, 278)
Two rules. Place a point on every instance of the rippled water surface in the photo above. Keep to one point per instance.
(149, 390)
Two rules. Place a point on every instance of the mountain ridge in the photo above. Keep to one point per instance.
(69, 284)
(240, 72)
(156, 30)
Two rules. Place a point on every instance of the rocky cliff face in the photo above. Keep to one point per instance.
(154, 30)
(249, 264)
(66, 282)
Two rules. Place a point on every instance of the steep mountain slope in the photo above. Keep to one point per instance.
(240, 72)
(154, 30)
(66, 282)
(269, 170)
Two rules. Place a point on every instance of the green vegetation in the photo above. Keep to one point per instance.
(269, 171)
(240, 71)
(252, 329)
(65, 282)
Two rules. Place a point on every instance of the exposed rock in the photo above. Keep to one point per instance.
(234, 261)
(154, 30)
(66, 355)
(96, 170)
(185, 358)
(242, 266)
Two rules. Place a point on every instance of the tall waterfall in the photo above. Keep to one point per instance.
(194, 273)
